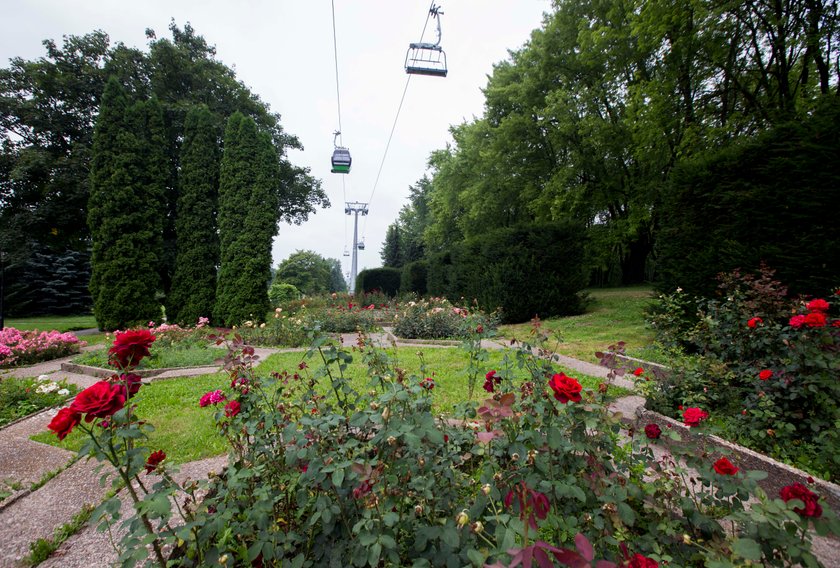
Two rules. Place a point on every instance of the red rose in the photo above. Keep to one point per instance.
(99, 400)
(810, 499)
(64, 422)
(565, 388)
(693, 415)
(639, 561)
(765, 374)
(797, 321)
(653, 431)
(130, 347)
(232, 408)
(815, 319)
(428, 383)
(154, 460)
(724, 467)
(818, 305)
(639, 372)
(754, 322)
(491, 379)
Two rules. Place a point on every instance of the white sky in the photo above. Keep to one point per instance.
(283, 51)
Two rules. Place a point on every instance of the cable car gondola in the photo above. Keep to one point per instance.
(361, 245)
(427, 58)
(341, 159)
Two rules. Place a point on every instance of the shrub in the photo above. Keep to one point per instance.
(771, 377)
(281, 292)
(413, 279)
(25, 347)
(282, 330)
(321, 474)
(385, 280)
(526, 270)
(439, 277)
(439, 319)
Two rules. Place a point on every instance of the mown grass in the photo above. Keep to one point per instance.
(615, 314)
(48, 323)
(186, 432)
(161, 358)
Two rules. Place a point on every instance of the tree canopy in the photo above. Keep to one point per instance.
(311, 273)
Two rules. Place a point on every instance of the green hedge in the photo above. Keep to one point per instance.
(386, 280)
(774, 199)
(414, 277)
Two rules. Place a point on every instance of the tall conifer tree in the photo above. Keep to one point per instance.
(193, 292)
(125, 210)
(247, 222)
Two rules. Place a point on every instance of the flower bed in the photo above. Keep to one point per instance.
(540, 471)
(437, 318)
(26, 347)
(20, 397)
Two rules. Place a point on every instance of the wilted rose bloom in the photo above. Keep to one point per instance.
(653, 431)
(428, 383)
(725, 467)
(754, 322)
(693, 415)
(232, 408)
(817, 305)
(798, 491)
(639, 561)
(155, 458)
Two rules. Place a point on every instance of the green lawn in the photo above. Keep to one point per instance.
(186, 432)
(161, 358)
(47, 323)
(615, 314)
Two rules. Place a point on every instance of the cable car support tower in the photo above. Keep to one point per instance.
(354, 208)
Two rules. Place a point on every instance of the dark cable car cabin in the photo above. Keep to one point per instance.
(341, 160)
(361, 245)
(427, 58)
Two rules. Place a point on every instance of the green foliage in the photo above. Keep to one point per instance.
(439, 319)
(282, 292)
(768, 379)
(247, 222)
(311, 273)
(385, 280)
(25, 396)
(439, 275)
(414, 277)
(761, 201)
(526, 271)
(125, 210)
(391, 253)
(193, 290)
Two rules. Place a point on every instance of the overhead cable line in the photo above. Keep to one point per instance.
(396, 118)
(338, 105)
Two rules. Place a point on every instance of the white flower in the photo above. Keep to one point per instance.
(63, 392)
(46, 388)
(43, 378)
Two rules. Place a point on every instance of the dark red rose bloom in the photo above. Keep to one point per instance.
(693, 415)
(64, 422)
(639, 372)
(752, 322)
(765, 374)
(818, 305)
(639, 561)
(154, 460)
(532, 504)
(363, 489)
(797, 321)
(130, 347)
(724, 467)
(128, 381)
(232, 408)
(99, 400)
(653, 431)
(491, 379)
(808, 497)
(565, 388)
(815, 319)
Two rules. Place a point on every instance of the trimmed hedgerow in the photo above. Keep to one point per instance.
(413, 279)
(386, 280)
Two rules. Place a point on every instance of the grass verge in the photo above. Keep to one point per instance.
(615, 314)
(42, 549)
(58, 323)
(161, 358)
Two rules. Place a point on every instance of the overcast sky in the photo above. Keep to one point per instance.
(283, 51)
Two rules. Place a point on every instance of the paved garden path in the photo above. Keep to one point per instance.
(29, 515)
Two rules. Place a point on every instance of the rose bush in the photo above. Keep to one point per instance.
(766, 368)
(22, 347)
(323, 474)
(437, 318)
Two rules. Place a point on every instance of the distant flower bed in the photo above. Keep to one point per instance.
(22, 397)
(23, 347)
(437, 318)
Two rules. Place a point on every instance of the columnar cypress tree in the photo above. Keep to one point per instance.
(128, 173)
(247, 222)
(193, 292)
